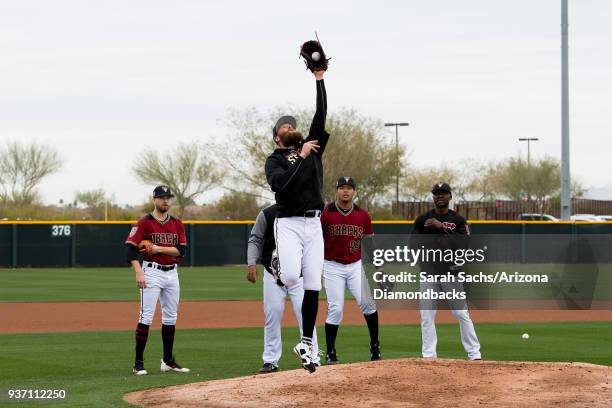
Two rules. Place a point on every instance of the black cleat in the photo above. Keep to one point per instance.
(332, 358)
(375, 351)
(268, 368)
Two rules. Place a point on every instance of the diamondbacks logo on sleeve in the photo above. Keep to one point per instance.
(133, 231)
(449, 225)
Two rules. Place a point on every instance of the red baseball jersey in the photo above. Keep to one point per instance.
(343, 233)
(169, 233)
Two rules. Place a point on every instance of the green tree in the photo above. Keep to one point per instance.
(358, 147)
(22, 169)
(235, 205)
(92, 198)
(189, 171)
(533, 182)
(417, 183)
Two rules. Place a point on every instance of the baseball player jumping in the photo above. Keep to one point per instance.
(294, 172)
(450, 228)
(345, 225)
(163, 242)
(261, 246)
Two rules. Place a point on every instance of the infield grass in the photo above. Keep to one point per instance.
(95, 368)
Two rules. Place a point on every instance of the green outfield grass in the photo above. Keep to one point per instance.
(118, 284)
(95, 368)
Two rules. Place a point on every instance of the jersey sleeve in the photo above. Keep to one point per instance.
(317, 127)
(278, 177)
(137, 234)
(182, 237)
(419, 225)
(462, 226)
(367, 224)
(256, 240)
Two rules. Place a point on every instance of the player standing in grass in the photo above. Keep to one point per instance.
(345, 225)
(446, 229)
(162, 242)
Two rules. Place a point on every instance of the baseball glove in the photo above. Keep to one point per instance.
(314, 56)
(146, 247)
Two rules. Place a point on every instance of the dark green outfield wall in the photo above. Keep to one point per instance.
(101, 244)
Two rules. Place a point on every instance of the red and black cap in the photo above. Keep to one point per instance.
(162, 191)
(345, 181)
(441, 187)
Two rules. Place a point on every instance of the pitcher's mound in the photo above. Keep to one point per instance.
(400, 383)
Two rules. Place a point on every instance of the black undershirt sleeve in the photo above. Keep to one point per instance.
(131, 253)
(182, 249)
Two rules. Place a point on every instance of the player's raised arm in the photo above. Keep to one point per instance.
(317, 127)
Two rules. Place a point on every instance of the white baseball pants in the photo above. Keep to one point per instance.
(339, 276)
(163, 286)
(274, 307)
(299, 245)
(460, 311)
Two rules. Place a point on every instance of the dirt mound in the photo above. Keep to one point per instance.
(405, 383)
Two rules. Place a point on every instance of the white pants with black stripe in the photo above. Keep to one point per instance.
(337, 278)
(299, 245)
(274, 307)
(162, 285)
(460, 311)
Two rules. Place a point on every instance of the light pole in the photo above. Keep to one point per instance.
(528, 140)
(397, 125)
(566, 199)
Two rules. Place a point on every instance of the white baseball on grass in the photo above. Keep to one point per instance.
(316, 56)
(525, 336)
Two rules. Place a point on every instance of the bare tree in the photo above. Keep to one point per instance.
(22, 169)
(187, 170)
(357, 148)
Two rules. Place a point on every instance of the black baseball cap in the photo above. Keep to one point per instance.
(281, 121)
(345, 181)
(441, 187)
(162, 191)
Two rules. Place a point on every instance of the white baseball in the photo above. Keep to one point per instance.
(525, 336)
(316, 56)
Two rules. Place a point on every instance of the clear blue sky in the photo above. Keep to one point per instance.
(102, 80)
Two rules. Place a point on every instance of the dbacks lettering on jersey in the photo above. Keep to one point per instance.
(344, 229)
(164, 238)
(343, 233)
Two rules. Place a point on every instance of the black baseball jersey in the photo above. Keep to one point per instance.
(453, 236)
(453, 223)
(297, 182)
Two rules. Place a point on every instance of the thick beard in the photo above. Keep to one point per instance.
(291, 139)
(162, 210)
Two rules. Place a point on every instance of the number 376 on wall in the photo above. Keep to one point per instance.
(60, 230)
